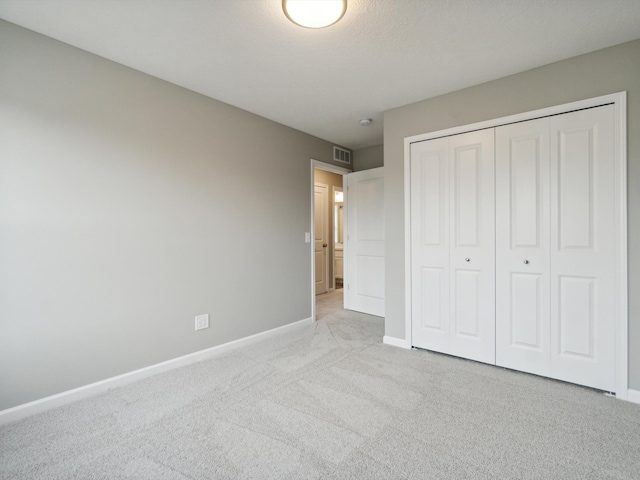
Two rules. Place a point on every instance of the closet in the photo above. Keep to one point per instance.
(513, 248)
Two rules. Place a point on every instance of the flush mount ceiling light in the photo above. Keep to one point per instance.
(314, 13)
(365, 122)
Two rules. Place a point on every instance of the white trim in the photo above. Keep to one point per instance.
(521, 117)
(333, 169)
(407, 243)
(620, 101)
(86, 391)
(345, 247)
(327, 167)
(632, 396)
(396, 342)
(620, 229)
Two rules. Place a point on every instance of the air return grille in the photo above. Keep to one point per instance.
(341, 155)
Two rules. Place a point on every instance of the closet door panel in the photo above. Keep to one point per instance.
(472, 252)
(468, 307)
(527, 322)
(430, 244)
(583, 250)
(576, 335)
(523, 246)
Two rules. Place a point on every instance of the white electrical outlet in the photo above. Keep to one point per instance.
(202, 321)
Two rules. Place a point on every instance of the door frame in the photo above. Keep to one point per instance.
(327, 284)
(328, 167)
(619, 100)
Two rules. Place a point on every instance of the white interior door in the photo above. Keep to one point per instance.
(321, 223)
(522, 247)
(583, 250)
(365, 241)
(453, 242)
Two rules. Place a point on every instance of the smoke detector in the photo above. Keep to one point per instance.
(365, 122)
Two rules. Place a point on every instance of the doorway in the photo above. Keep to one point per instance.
(328, 210)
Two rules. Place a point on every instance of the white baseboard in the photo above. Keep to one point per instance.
(63, 398)
(633, 396)
(396, 342)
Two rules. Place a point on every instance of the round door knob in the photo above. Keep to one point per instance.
(325, 245)
(526, 262)
(467, 259)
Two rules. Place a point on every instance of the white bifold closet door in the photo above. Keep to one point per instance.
(583, 309)
(523, 260)
(555, 251)
(453, 245)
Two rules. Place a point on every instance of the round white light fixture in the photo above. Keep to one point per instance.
(365, 122)
(314, 13)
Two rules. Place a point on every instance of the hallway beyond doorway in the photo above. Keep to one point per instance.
(331, 303)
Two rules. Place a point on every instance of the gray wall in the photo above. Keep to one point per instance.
(368, 157)
(129, 205)
(599, 73)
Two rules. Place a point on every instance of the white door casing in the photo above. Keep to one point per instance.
(523, 247)
(364, 246)
(452, 215)
(321, 223)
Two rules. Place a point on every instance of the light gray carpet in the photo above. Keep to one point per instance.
(331, 401)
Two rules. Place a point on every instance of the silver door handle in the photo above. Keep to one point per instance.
(526, 262)
(467, 259)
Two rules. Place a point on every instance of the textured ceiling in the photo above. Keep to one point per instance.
(381, 55)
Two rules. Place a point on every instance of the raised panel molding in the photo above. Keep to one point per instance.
(467, 303)
(524, 189)
(433, 283)
(575, 182)
(433, 172)
(526, 321)
(369, 270)
(576, 315)
(467, 197)
(370, 216)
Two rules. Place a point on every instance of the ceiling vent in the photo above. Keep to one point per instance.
(341, 155)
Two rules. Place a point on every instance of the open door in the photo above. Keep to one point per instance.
(364, 246)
